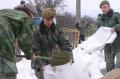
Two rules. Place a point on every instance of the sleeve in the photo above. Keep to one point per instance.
(98, 25)
(36, 48)
(117, 26)
(36, 45)
(99, 18)
(26, 38)
(63, 43)
(98, 22)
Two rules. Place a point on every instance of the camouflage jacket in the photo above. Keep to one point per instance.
(13, 24)
(47, 39)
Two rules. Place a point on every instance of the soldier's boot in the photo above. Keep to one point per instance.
(103, 71)
(110, 66)
(118, 60)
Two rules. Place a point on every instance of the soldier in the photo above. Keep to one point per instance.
(111, 19)
(14, 24)
(33, 13)
(46, 38)
(82, 27)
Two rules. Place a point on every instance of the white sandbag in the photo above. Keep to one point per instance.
(24, 70)
(102, 36)
(112, 38)
(81, 64)
(59, 72)
(87, 66)
(98, 63)
(87, 56)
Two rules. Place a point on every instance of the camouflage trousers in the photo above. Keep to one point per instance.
(8, 69)
(110, 58)
(39, 74)
(4, 77)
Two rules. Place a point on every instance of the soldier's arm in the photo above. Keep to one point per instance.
(26, 38)
(117, 18)
(64, 42)
(98, 25)
(36, 48)
(36, 45)
(98, 20)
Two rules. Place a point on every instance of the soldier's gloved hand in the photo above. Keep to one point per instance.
(28, 57)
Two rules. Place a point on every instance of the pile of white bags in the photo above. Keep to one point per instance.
(58, 72)
(89, 58)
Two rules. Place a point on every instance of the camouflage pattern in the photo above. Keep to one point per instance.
(39, 74)
(111, 20)
(47, 40)
(3, 77)
(13, 24)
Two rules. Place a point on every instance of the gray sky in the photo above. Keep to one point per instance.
(8, 3)
(88, 7)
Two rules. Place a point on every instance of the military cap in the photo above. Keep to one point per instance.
(48, 13)
(31, 8)
(104, 2)
(27, 7)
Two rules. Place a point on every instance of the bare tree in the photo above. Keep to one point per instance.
(88, 20)
(41, 4)
(66, 20)
(53, 3)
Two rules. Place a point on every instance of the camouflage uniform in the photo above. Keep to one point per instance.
(46, 40)
(111, 20)
(13, 24)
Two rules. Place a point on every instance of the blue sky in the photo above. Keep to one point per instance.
(88, 7)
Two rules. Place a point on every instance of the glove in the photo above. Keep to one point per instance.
(60, 58)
